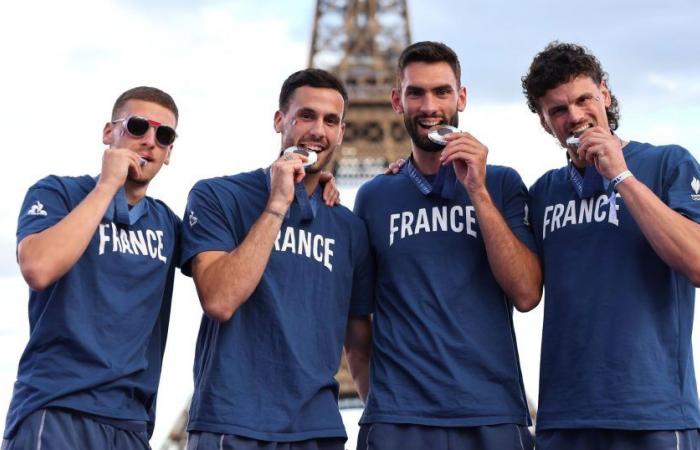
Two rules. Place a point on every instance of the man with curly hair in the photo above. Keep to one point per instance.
(617, 231)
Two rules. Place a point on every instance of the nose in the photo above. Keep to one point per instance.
(576, 114)
(149, 138)
(429, 104)
(316, 129)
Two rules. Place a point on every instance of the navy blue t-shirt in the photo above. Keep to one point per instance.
(616, 348)
(268, 372)
(97, 335)
(444, 350)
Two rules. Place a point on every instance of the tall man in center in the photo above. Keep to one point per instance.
(278, 272)
(454, 254)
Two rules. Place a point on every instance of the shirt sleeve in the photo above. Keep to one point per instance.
(43, 207)
(206, 226)
(532, 218)
(515, 208)
(683, 187)
(364, 275)
(362, 298)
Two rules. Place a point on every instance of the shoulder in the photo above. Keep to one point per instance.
(667, 153)
(503, 179)
(67, 184)
(345, 215)
(549, 177)
(502, 173)
(68, 190)
(164, 210)
(380, 185)
(232, 184)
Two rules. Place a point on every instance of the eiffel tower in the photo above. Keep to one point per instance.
(359, 41)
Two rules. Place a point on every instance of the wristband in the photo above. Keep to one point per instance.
(275, 213)
(620, 178)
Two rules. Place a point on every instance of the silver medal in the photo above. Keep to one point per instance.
(438, 134)
(312, 156)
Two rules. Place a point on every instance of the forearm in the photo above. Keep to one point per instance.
(46, 256)
(515, 267)
(228, 280)
(673, 237)
(358, 349)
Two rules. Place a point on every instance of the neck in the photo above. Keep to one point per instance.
(134, 191)
(311, 182)
(427, 163)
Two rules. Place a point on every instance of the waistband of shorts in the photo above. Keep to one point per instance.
(136, 426)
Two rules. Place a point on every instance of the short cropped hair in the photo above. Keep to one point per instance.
(428, 52)
(317, 78)
(147, 94)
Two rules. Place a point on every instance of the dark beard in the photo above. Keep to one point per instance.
(422, 142)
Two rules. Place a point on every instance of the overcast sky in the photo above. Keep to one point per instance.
(64, 63)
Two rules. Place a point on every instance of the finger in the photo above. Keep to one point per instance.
(330, 193)
(461, 148)
(292, 156)
(332, 198)
(299, 172)
(468, 157)
(135, 167)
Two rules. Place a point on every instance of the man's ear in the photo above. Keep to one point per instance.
(277, 121)
(396, 101)
(108, 134)
(544, 124)
(461, 98)
(607, 97)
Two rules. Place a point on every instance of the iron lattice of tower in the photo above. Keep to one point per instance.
(360, 41)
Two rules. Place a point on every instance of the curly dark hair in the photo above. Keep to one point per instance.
(559, 63)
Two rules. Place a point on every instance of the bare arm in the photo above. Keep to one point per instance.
(225, 280)
(516, 268)
(39, 261)
(358, 348)
(676, 239)
(673, 237)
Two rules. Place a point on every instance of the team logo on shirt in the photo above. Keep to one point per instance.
(193, 219)
(37, 209)
(695, 185)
